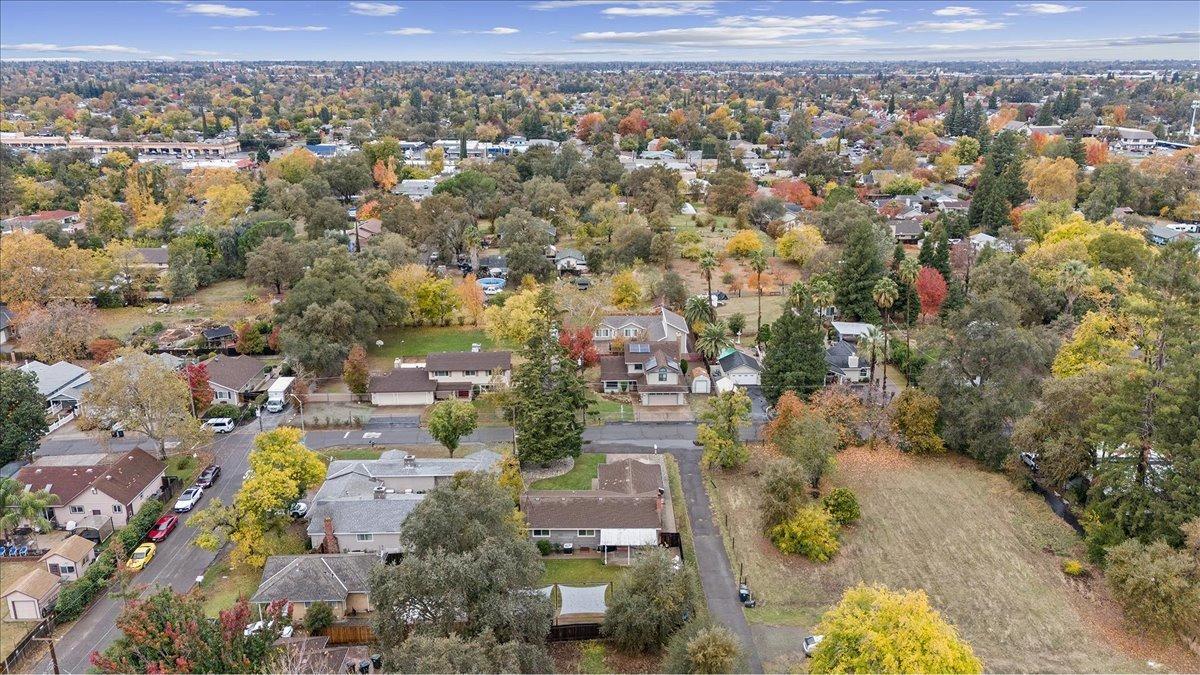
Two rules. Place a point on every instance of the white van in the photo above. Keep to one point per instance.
(220, 425)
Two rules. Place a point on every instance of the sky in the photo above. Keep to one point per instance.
(600, 30)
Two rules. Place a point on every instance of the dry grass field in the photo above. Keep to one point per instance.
(987, 554)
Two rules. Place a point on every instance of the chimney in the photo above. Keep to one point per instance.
(658, 503)
(329, 544)
(380, 491)
(410, 460)
(852, 361)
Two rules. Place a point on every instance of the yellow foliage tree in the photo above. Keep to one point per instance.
(293, 167)
(1052, 180)
(437, 160)
(34, 270)
(626, 291)
(1098, 342)
(800, 244)
(743, 244)
(513, 322)
(471, 298)
(225, 202)
(405, 280)
(148, 214)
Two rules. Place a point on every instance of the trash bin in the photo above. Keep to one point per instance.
(744, 593)
(568, 548)
(364, 666)
(377, 661)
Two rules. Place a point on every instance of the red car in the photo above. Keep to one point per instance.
(162, 528)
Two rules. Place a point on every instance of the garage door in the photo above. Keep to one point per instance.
(662, 399)
(25, 610)
(745, 378)
(405, 398)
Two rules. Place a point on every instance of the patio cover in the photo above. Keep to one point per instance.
(629, 537)
(582, 599)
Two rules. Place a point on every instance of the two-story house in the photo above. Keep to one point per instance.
(116, 490)
(362, 504)
(444, 375)
(653, 370)
(844, 365)
(662, 326)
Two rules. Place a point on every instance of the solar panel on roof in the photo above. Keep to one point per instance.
(639, 348)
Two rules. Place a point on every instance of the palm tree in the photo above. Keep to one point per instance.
(19, 506)
(713, 340)
(698, 311)
(885, 294)
(472, 238)
(708, 263)
(1073, 275)
(909, 269)
(758, 263)
(869, 344)
(822, 295)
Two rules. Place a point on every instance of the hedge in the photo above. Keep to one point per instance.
(77, 595)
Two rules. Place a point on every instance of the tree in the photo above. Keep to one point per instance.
(744, 244)
(873, 629)
(195, 375)
(436, 300)
(1052, 180)
(861, 268)
(142, 394)
(698, 311)
(810, 532)
(515, 321)
(169, 632)
(1059, 429)
(326, 215)
(795, 354)
(1157, 585)
(318, 617)
(33, 269)
(19, 506)
(250, 339)
(465, 593)
(355, 370)
(650, 602)
(728, 189)
(347, 175)
(914, 416)
(626, 291)
(701, 647)
(708, 263)
(550, 394)
(1098, 342)
(796, 191)
(800, 244)
(580, 346)
(274, 264)
(758, 263)
(804, 436)
(1073, 278)
(725, 413)
(283, 469)
(449, 421)
(931, 289)
(22, 415)
(713, 340)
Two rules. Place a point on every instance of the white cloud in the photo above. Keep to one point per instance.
(956, 10)
(408, 31)
(201, 52)
(1068, 45)
(764, 32)
(163, 57)
(1048, 8)
(662, 9)
(43, 47)
(373, 8)
(868, 12)
(498, 30)
(216, 9)
(274, 29)
(955, 26)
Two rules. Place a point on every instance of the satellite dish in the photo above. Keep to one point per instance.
(379, 343)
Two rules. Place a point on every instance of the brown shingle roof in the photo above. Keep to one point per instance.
(37, 583)
(65, 482)
(402, 380)
(74, 548)
(129, 476)
(566, 509)
(234, 372)
(613, 368)
(122, 480)
(629, 476)
(488, 361)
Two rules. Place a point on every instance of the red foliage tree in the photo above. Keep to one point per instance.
(196, 377)
(931, 288)
(588, 125)
(102, 349)
(797, 192)
(579, 346)
(633, 124)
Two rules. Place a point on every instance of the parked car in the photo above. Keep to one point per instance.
(142, 555)
(189, 499)
(208, 476)
(583, 283)
(220, 425)
(163, 527)
(1029, 459)
(811, 642)
(298, 510)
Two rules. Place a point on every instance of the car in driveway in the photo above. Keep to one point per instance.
(208, 476)
(142, 555)
(298, 510)
(163, 527)
(189, 499)
(811, 642)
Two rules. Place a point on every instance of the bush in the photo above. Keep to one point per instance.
(784, 489)
(1072, 567)
(701, 647)
(318, 618)
(132, 534)
(77, 595)
(842, 505)
(812, 533)
(545, 547)
(224, 410)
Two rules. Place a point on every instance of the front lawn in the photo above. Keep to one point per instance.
(987, 554)
(579, 571)
(578, 478)
(421, 341)
(224, 583)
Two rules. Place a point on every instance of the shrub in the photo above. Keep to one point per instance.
(1072, 567)
(842, 505)
(545, 547)
(701, 647)
(319, 617)
(223, 410)
(784, 488)
(77, 595)
(743, 244)
(131, 535)
(811, 532)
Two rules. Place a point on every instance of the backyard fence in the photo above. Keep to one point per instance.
(28, 643)
(574, 631)
(350, 634)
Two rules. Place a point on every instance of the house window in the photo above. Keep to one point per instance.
(587, 533)
(637, 367)
(863, 373)
(541, 534)
(631, 332)
(441, 373)
(66, 569)
(76, 510)
(470, 373)
(662, 377)
(117, 508)
(364, 536)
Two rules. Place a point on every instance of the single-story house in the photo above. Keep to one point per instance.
(742, 368)
(70, 558)
(570, 260)
(218, 337)
(67, 221)
(444, 375)
(31, 596)
(662, 326)
(341, 580)
(236, 379)
(653, 370)
(62, 384)
(154, 258)
(982, 240)
(623, 513)
(906, 231)
(117, 490)
(415, 189)
(849, 331)
(1161, 235)
(844, 365)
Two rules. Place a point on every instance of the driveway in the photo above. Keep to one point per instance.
(758, 403)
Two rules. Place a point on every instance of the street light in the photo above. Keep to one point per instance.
(301, 403)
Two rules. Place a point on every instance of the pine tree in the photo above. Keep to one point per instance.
(861, 268)
(891, 109)
(795, 354)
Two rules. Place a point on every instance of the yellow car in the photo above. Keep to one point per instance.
(141, 556)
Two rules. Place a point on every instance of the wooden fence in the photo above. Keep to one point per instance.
(350, 634)
(574, 631)
(27, 643)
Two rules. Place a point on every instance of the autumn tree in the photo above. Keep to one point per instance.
(931, 290)
(718, 434)
(804, 436)
(580, 346)
(34, 270)
(355, 370)
(914, 416)
(1052, 180)
(449, 421)
(196, 377)
(796, 191)
(626, 290)
(471, 298)
(513, 322)
(60, 331)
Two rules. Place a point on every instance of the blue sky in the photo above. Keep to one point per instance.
(599, 30)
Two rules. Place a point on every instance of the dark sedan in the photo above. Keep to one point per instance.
(209, 476)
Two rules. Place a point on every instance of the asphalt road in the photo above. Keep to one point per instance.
(177, 563)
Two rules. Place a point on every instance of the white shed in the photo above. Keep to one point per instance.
(701, 382)
(31, 596)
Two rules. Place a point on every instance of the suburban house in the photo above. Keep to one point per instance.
(67, 221)
(622, 513)
(906, 231)
(741, 368)
(570, 260)
(662, 326)
(341, 580)
(218, 337)
(154, 258)
(70, 558)
(850, 331)
(844, 365)
(415, 189)
(62, 385)
(116, 490)
(31, 596)
(6, 327)
(653, 370)
(363, 503)
(236, 379)
(1161, 235)
(444, 375)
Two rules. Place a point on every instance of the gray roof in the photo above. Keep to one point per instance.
(234, 372)
(391, 463)
(469, 361)
(154, 256)
(402, 380)
(629, 476)
(375, 516)
(60, 378)
(655, 326)
(737, 359)
(837, 357)
(565, 253)
(312, 578)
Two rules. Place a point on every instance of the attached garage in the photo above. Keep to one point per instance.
(402, 398)
(663, 398)
(31, 596)
(741, 368)
(403, 386)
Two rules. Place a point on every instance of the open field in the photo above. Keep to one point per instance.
(421, 341)
(578, 478)
(987, 554)
(223, 302)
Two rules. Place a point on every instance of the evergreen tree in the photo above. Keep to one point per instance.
(891, 105)
(795, 354)
(860, 269)
(935, 250)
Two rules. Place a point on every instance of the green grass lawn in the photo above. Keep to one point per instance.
(224, 583)
(421, 341)
(184, 467)
(602, 409)
(580, 571)
(578, 478)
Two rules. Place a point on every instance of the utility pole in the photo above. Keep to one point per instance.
(53, 654)
(1192, 131)
(301, 403)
